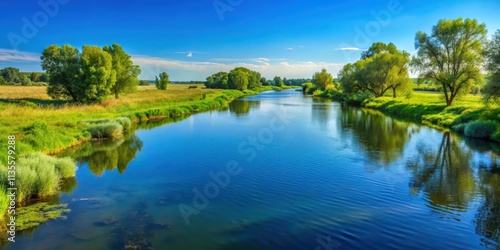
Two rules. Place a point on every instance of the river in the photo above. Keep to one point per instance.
(280, 170)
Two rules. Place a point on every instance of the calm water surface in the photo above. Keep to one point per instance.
(293, 173)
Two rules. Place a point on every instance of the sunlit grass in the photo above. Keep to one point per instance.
(430, 108)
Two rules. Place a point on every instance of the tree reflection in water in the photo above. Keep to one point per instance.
(381, 137)
(451, 179)
(107, 155)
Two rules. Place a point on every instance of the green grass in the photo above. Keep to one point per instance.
(430, 109)
(38, 175)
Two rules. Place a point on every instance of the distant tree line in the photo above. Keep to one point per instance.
(239, 78)
(12, 76)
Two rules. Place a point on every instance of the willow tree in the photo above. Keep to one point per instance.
(97, 76)
(126, 71)
(382, 68)
(451, 55)
(63, 66)
(322, 79)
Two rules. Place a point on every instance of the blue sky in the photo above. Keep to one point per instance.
(191, 39)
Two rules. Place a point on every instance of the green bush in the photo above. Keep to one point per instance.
(480, 129)
(496, 136)
(317, 92)
(125, 122)
(40, 175)
(105, 130)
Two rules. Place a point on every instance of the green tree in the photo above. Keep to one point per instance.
(162, 81)
(217, 81)
(63, 66)
(264, 82)
(144, 83)
(2, 81)
(238, 78)
(322, 79)
(377, 48)
(278, 82)
(43, 77)
(97, 76)
(346, 77)
(126, 71)
(451, 55)
(254, 80)
(491, 90)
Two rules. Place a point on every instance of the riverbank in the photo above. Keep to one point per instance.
(429, 109)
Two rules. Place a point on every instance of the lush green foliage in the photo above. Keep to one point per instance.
(278, 82)
(126, 71)
(108, 128)
(322, 79)
(451, 56)
(97, 75)
(162, 81)
(480, 129)
(39, 175)
(380, 69)
(91, 76)
(241, 78)
(217, 81)
(62, 64)
(491, 90)
(12, 76)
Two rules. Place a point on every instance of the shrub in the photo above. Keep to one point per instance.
(460, 128)
(105, 130)
(125, 122)
(193, 87)
(480, 129)
(317, 92)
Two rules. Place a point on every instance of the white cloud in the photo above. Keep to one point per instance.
(289, 48)
(186, 70)
(190, 54)
(350, 48)
(18, 56)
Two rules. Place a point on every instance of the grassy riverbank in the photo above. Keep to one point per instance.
(430, 109)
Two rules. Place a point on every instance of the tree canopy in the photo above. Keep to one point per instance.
(97, 76)
(162, 81)
(126, 71)
(12, 76)
(89, 76)
(217, 81)
(383, 67)
(278, 82)
(451, 55)
(491, 89)
(63, 66)
(322, 79)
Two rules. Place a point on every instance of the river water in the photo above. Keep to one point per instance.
(280, 170)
